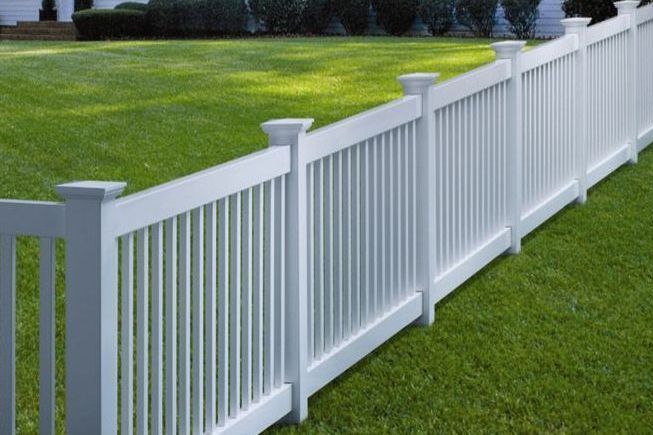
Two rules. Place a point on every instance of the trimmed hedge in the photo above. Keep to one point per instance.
(132, 6)
(437, 15)
(279, 16)
(353, 14)
(196, 17)
(317, 16)
(477, 15)
(598, 10)
(81, 5)
(109, 23)
(396, 17)
(522, 16)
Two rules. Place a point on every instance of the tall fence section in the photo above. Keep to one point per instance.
(220, 302)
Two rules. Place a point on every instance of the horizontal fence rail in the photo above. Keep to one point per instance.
(221, 301)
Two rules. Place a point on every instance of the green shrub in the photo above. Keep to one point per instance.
(80, 5)
(395, 16)
(132, 6)
(437, 15)
(598, 10)
(109, 23)
(196, 17)
(317, 16)
(279, 16)
(477, 15)
(522, 16)
(353, 14)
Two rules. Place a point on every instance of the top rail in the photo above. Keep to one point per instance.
(32, 218)
(154, 205)
(350, 131)
(549, 52)
(470, 83)
(645, 14)
(607, 29)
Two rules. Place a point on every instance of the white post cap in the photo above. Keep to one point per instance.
(507, 49)
(575, 25)
(626, 7)
(417, 83)
(99, 190)
(283, 132)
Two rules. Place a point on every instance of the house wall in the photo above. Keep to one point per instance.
(12, 11)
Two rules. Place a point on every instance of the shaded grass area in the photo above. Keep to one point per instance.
(556, 340)
(147, 112)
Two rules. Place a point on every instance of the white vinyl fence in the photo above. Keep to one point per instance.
(240, 291)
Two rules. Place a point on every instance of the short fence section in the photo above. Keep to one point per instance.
(219, 302)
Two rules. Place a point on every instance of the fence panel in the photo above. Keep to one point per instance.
(216, 280)
(607, 105)
(362, 235)
(548, 137)
(44, 220)
(644, 74)
(471, 162)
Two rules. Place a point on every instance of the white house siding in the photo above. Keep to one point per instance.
(12, 11)
(110, 4)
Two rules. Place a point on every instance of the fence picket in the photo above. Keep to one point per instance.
(47, 300)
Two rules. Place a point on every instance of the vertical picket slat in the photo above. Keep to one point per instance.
(328, 253)
(257, 289)
(311, 265)
(223, 310)
(171, 326)
(7, 334)
(270, 270)
(142, 330)
(337, 249)
(184, 272)
(246, 307)
(280, 280)
(319, 258)
(156, 423)
(347, 254)
(366, 234)
(47, 280)
(198, 321)
(234, 305)
(356, 237)
(127, 340)
(210, 321)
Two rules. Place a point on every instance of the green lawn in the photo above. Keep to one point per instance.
(556, 339)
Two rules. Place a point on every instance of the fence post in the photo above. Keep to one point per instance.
(578, 27)
(421, 84)
(512, 50)
(290, 132)
(630, 8)
(91, 308)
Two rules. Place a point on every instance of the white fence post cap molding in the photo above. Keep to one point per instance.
(282, 132)
(574, 25)
(417, 83)
(626, 6)
(507, 49)
(102, 190)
